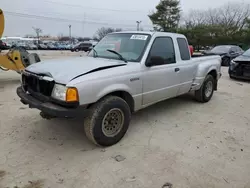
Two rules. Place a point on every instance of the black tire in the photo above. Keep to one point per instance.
(94, 122)
(76, 50)
(200, 95)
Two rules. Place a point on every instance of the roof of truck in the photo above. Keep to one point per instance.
(153, 33)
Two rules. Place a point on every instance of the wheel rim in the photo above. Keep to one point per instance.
(112, 122)
(208, 89)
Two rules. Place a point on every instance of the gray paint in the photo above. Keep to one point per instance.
(149, 84)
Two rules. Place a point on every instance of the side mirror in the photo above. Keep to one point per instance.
(154, 61)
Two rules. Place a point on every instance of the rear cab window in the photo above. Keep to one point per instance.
(184, 49)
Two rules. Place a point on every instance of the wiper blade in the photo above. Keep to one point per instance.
(95, 54)
(117, 53)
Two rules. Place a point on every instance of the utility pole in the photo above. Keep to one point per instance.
(70, 33)
(138, 25)
(83, 24)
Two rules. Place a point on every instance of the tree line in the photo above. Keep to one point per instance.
(229, 24)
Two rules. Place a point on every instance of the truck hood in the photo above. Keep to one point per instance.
(65, 70)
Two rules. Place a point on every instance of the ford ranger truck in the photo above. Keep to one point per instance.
(123, 73)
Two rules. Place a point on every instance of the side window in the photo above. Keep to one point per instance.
(239, 49)
(163, 48)
(184, 48)
(234, 49)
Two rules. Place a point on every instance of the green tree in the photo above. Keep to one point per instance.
(167, 15)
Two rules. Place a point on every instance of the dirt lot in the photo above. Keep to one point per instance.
(178, 141)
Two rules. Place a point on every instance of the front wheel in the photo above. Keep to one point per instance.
(108, 121)
(205, 93)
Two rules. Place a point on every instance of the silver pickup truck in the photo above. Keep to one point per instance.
(124, 72)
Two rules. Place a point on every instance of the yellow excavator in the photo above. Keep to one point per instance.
(17, 58)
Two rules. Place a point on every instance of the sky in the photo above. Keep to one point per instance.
(85, 16)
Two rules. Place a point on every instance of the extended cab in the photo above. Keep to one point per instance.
(125, 72)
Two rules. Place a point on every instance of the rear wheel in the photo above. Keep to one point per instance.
(108, 121)
(205, 93)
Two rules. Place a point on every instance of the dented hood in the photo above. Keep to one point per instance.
(65, 70)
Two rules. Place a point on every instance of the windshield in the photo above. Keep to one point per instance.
(247, 53)
(131, 46)
(221, 49)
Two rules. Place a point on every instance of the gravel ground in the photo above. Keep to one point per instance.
(179, 141)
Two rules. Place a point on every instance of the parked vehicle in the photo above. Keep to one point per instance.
(108, 85)
(3, 46)
(32, 46)
(227, 52)
(23, 45)
(60, 46)
(68, 47)
(42, 47)
(240, 66)
(51, 46)
(84, 46)
(191, 48)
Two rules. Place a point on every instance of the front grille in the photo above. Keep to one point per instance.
(36, 84)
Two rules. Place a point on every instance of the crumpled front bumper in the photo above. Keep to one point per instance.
(49, 108)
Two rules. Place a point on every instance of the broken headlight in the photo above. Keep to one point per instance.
(233, 64)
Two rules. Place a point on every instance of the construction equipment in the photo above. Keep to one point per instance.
(17, 58)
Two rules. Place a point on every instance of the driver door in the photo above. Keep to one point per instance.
(161, 81)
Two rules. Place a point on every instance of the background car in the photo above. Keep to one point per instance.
(84, 46)
(42, 47)
(227, 52)
(60, 46)
(3, 46)
(23, 45)
(240, 66)
(32, 46)
(51, 46)
(68, 46)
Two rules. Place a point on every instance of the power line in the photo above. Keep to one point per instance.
(32, 16)
(87, 7)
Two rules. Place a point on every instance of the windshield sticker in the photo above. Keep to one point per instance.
(139, 37)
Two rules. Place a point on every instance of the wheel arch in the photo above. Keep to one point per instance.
(214, 74)
(125, 95)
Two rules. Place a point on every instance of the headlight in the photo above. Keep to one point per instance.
(233, 64)
(59, 92)
(63, 93)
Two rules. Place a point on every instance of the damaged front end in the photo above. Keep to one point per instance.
(239, 69)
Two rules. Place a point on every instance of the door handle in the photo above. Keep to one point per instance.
(177, 69)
